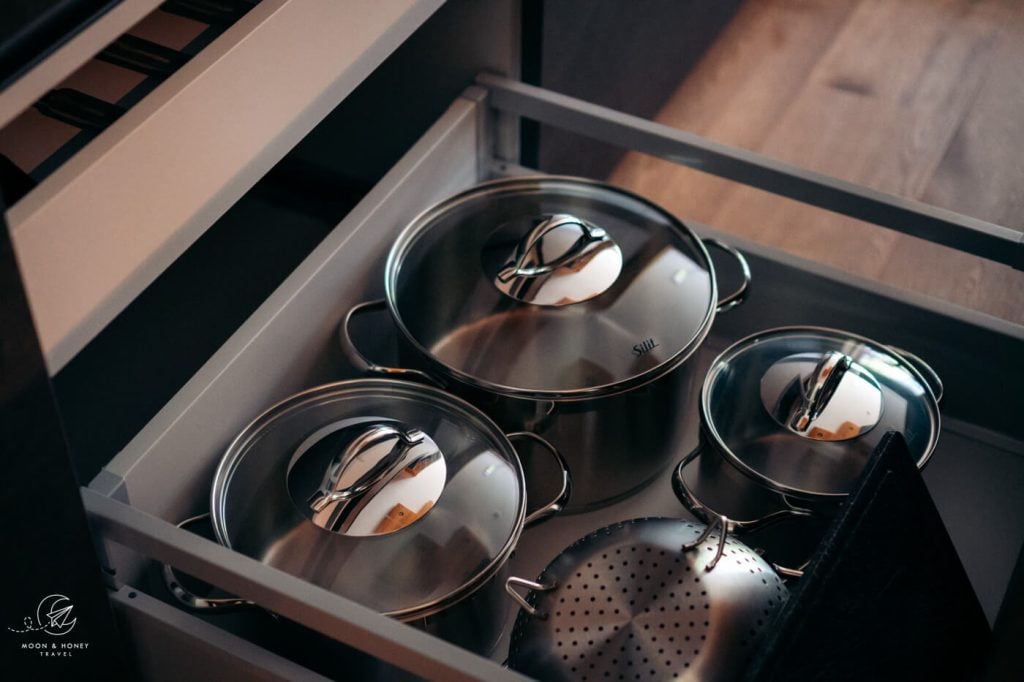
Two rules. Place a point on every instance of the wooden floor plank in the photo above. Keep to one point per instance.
(981, 173)
(737, 95)
(872, 112)
(900, 96)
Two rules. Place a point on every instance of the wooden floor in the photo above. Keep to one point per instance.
(920, 98)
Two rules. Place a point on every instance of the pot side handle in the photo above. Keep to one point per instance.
(711, 517)
(359, 361)
(740, 294)
(562, 499)
(192, 601)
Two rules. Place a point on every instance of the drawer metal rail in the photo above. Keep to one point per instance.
(978, 237)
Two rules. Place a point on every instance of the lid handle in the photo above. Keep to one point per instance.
(562, 260)
(365, 466)
(837, 400)
(817, 389)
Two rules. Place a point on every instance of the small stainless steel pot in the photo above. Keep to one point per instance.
(790, 416)
(397, 495)
(561, 306)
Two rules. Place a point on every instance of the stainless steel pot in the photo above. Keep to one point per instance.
(647, 599)
(789, 418)
(396, 495)
(561, 306)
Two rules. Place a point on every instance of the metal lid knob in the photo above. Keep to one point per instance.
(384, 480)
(562, 260)
(822, 397)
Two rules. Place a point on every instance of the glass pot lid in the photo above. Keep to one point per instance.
(551, 286)
(392, 494)
(801, 408)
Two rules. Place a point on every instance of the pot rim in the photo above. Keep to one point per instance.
(419, 225)
(710, 428)
(239, 445)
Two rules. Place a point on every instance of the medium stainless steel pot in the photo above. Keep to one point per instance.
(561, 306)
(396, 495)
(789, 418)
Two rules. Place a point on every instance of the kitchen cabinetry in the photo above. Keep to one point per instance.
(288, 342)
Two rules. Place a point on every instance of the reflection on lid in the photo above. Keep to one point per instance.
(562, 260)
(824, 396)
(382, 480)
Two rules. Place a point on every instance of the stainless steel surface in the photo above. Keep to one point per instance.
(561, 261)
(836, 400)
(985, 239)
(591, 434)
(439, 283)
(615, 445)
(630, 601)
(742, 428)
(383, 480)
(262, 485)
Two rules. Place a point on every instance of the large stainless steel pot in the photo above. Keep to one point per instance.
(561, 306)
(789, 418)
(396, 495)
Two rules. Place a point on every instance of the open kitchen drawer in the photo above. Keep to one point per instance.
(289, 343)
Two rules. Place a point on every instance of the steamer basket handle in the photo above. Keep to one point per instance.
(794, 573)
(739, 295)
(713, 519)
(512, 582)
(361, 362)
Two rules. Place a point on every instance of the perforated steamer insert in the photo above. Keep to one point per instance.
(644, 600)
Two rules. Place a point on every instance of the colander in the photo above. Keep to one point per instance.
(646, 599)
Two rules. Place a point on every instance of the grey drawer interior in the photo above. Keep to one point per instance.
(164, 474)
